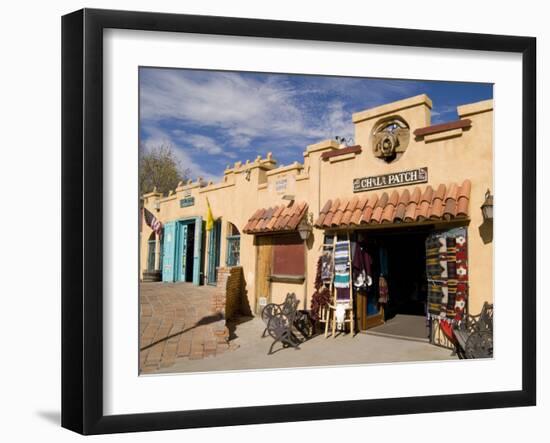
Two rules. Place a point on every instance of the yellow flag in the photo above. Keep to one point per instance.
(209, 217)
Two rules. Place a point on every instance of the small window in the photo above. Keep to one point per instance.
(151, 252)
(233, 246)
(288, 256)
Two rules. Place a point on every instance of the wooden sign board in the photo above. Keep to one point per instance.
(402, 178)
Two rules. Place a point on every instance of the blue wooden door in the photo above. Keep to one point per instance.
(214, 240)
(169, 252)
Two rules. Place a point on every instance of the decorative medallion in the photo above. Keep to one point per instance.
(390, 139)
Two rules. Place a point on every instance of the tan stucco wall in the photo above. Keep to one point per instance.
(464, 154)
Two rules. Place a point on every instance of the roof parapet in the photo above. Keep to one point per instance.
(266, 163)
(322, 146)
(474, 108)
(392, 108)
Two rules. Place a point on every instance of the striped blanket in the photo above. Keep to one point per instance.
(341, 265)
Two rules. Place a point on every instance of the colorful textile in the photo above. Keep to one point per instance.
(383, 293)
(461, 273)
(433, 272)
(448, 310)
(327, 265)
(447, 274)
(361, 267)
(447, 330)
(341, 264)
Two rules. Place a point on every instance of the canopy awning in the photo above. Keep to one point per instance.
(280, 218)
(446, 202)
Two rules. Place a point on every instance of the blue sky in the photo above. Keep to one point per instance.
(215, 118)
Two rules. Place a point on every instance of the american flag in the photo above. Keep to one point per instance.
(152, 221)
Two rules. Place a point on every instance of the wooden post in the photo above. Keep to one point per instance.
(351, 313)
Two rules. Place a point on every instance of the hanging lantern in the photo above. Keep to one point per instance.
(487, 207)
(304, 228)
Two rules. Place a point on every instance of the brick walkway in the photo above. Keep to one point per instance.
(177, 321)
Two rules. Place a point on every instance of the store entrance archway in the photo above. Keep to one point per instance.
(404, 273)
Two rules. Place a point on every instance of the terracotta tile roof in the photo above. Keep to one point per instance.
(446, 202)
(284, 217)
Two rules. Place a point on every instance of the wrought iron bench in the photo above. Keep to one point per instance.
(474, 336)
(285, 323)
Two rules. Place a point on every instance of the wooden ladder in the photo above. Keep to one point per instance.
(350, 312)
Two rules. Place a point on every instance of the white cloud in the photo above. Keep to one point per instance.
(242, 108)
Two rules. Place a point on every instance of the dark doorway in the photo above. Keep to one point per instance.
(190, 249)
(404, 314)
(407, 282)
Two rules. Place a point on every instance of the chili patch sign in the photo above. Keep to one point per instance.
(402, 178)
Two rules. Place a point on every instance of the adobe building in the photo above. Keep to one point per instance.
(402, 182)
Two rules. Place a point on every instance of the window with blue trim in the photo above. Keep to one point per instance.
(233, 246)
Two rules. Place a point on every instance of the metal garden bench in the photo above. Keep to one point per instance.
(474, 336)
(285, 323)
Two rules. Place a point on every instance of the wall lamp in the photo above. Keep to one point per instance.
(487, 207)
(305, 227)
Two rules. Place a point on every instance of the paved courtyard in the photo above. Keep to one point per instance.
(177, 322)
(178, 335)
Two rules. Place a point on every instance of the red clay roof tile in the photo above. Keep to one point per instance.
(323, 213)
(327, 207)
(379, 208)
(335, 205)
(449, 210)
(353, 204)
(320, 219)
(343, 204)
(282, 219)
(389, 209)
(422, 209)
(362, 202)
(401, 206)
(356, 217)
(366, 215)
(440, 193)
(415, 197)
(465, 189)
(328, 219)
(436, 210)
(271, 223)
(394, 198)
(463, 199)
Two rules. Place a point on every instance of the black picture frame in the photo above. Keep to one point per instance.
(82, 218)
